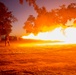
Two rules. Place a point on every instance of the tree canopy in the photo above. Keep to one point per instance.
(6, 18)
(47, 21)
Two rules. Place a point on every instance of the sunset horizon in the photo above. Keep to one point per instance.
(37, 37)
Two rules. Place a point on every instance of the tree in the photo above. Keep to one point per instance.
(66, 13)
(47, 21)
(6, 18)
(29, 24)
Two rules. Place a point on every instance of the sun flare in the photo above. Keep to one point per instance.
(56, 35)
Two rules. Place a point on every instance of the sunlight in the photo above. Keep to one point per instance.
(56, 35)
(52, 35)
(70, 35)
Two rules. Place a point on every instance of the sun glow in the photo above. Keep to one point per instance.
(70, 35)
(56, 35)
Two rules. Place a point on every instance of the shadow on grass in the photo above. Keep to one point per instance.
(2, 62)
(14, 72)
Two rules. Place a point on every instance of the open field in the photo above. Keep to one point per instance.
(37, 58)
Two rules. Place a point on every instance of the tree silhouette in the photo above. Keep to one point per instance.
(66, 13)
(29, 24)
(6, 18)
(47, 21)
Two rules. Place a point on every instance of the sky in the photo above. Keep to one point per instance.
(21, 12)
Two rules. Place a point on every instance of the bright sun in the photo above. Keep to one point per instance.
(56, 35)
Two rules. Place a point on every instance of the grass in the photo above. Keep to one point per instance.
(22, 58)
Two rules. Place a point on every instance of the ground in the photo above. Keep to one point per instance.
(34, 58)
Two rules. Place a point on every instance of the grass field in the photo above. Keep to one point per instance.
(37, 58)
